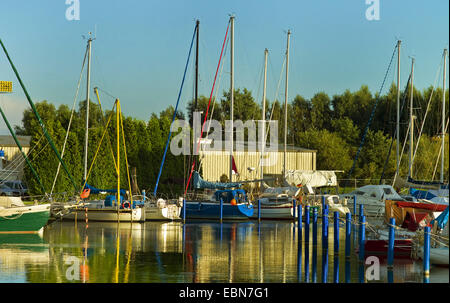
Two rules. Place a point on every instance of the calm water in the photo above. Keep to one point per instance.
(171, 252)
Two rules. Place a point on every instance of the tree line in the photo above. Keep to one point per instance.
(333, 126)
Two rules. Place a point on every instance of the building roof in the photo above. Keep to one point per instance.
(8, 141)
(280, 148)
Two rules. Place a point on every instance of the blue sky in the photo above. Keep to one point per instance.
(142, 46)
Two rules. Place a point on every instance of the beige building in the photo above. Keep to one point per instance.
(217, 163)
(12, 162)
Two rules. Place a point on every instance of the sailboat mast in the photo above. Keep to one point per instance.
(398, 108)
(411, 117)
(263, 116)
(231, 95)
(443, 120)
(285, 103)
(88, 83)
(197, 28)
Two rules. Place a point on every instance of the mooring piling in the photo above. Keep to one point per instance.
(221, 210)
(391, 243)
(259, 210)
(336, 233)
(184, 210)
(348, 232)
(362, 238)
(325, 228)
(315, 215)
(426, 254)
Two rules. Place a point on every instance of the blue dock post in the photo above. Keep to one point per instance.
(348, 232)
(361, 210)
(347, 271)
(354, 206)
(294, 207)
(259, 210)
(336, 233)
(323, 203)
(426, 254)
(362, 238)
(315, 215)
(361, 214)
(307, 226)
(300, 222)
(184, 210)
(221, 210)
(336, 269)
(325, 228)
(391, 243)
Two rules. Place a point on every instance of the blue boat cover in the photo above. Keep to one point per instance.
(421, 194)
(442, 219)
(95, 190)
(230, 194)
(199, 183)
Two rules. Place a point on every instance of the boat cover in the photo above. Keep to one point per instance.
(199, 183)
(95, 190)
(314, 178)
(442, 219)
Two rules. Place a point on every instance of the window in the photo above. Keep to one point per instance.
(373, 195)
(387, 191)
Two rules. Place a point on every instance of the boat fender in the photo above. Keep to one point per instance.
(233, 202)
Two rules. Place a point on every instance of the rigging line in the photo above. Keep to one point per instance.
(174, 113)
(215, 98)
(103, 121)
(98, 147)
(17, 163)
(372, 113)
(395, 131)
(274, 101)
(70, 120)
(401, 154)
(440, 151)
(437, 78)
(36, 114)
(209, 103)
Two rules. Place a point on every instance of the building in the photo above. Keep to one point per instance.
(217, 163)
(12, 162)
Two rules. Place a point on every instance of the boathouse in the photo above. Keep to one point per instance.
(216, 163)
(11, 164)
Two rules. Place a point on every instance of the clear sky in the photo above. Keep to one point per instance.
(141, 47)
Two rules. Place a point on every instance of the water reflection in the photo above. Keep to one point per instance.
(253, 252)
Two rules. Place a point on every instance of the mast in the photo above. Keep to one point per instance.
(231, 94)
(263, 130)
(443, 121)
(398, 108)
(197, 25)
(411, 119)
(88, 83)
(285, 103)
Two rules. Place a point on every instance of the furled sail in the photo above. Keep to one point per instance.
(199, 183)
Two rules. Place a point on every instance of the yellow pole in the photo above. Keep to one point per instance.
(118, 155)
(101, 110)
(126, 160)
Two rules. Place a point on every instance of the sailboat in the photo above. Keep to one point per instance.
(116, 206)
(15, 216)
(220, 200)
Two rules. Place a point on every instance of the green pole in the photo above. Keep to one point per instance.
(20, 147)
(39, 119)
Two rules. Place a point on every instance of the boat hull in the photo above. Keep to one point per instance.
(28, 219)
(107, 214)
(402, 248)
(211, 210)
(276, 212)
(169, 212)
